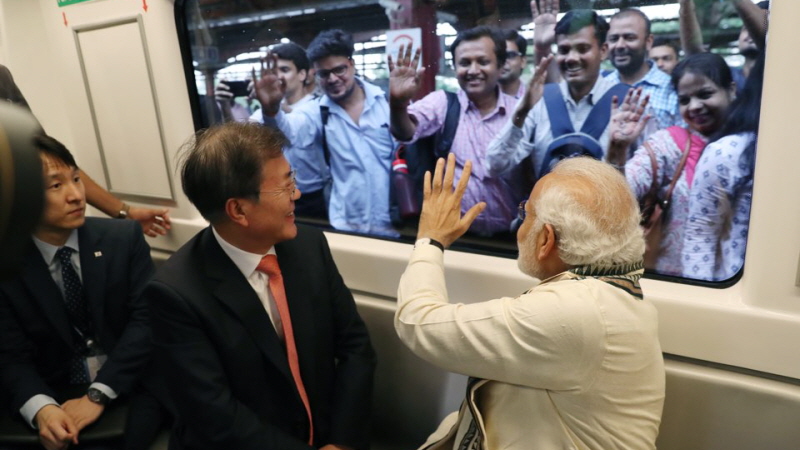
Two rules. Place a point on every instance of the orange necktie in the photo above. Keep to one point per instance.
(269, 265)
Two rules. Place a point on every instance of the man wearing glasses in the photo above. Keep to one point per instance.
(575, 361)
(255, 332)
(348, 125)
(510, 81)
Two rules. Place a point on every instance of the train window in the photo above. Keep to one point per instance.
(701, 68)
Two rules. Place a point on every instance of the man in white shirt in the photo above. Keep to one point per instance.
(575, 362)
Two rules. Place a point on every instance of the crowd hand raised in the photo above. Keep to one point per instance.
(441, 218)
(545, 18)
(404, 77)
(268, 87)
(535, 91)
(627, 122)
(223, 92)
(56, 428)
(83, 411)
(154, 221)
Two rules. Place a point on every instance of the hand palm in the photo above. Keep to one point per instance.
(403, 83)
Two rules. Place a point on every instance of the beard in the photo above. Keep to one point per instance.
(635, 61)
(527, 262)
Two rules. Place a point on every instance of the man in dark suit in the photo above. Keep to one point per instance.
(257, 357)
(75, 314)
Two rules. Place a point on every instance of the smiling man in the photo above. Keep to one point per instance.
(255, 332)
(74, 330)
(348, 126)
(478, 55)
(629, 42)
(580, 37)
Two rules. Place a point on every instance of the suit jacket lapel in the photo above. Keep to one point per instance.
(237, 295)
(94, 271)
(36, 277)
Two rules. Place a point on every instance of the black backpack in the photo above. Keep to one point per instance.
(421, 156)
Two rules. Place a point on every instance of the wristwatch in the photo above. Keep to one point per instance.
(97, 396)
(123, 212)
(433, 242)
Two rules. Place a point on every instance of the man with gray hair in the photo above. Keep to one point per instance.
(574, 362)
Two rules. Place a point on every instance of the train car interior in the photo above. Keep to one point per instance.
(124, 83)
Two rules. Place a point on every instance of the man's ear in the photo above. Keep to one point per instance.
(305, 76)
(648, 42)
(547, 243)
(236, 210)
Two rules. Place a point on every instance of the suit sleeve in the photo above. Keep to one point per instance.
(356, 365)
(19, 379)
(131, 354)
(197, 382)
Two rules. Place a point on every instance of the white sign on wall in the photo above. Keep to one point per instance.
(396, 38)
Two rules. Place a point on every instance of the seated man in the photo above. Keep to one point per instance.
(575, 362)
(255, 332)
(74, 315)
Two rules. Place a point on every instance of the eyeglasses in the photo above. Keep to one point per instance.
(291, 188)
(339, 71)
(513, 54)
(521, 213)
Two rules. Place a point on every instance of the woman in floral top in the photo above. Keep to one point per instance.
(705, 90)
(719, 199)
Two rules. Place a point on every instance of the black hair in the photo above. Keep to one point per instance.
(744, 114)
(330, 43)
(294, 53)
(473, 34)
(710, 65)
(522, 43)
(576, 19)
(763, 4)
(626, 12)
(226, 161)
(54, 149)
(664, 42)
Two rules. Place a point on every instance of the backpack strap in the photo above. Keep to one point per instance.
(560, 122)
(597, 120)
(325, 112)
(443, 141)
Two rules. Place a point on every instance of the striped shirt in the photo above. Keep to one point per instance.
(473, 135)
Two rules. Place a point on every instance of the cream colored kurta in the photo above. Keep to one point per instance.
(574, 363)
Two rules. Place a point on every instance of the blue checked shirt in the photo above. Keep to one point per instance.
(663, 98)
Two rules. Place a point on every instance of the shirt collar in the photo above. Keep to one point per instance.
(653, 77)
(599, 84)
(48, 251)
(245, 261)
(467, 104)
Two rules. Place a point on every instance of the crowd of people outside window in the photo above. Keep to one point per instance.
(681, 107)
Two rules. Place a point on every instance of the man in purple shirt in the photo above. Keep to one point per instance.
(478, 55)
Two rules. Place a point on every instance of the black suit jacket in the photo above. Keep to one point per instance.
(226, 368)
(36, 339)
